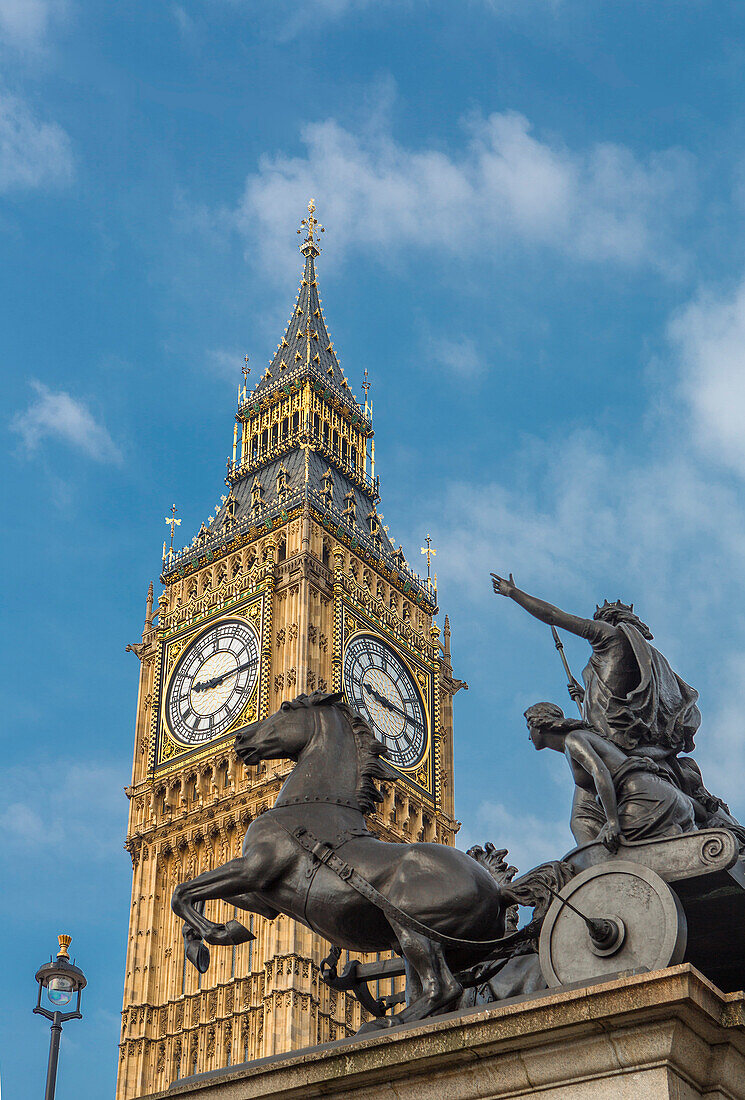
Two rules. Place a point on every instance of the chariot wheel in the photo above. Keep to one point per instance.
(614, 917)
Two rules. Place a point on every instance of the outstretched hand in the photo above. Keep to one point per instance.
(503, 587)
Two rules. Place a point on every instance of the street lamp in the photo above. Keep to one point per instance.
(59, 980)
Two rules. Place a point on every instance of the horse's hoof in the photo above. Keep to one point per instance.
(231, 933)
(238, 932)
(198, 954)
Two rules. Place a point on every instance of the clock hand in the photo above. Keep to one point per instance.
(206, 684)
(384, 702)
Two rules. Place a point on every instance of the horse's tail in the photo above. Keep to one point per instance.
(493, 860)
(531, 889)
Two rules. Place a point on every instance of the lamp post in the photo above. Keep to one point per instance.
(59, 980)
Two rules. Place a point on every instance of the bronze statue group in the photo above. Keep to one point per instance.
(637, 718)
(452, 916)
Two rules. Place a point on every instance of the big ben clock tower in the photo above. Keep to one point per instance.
(293, 585)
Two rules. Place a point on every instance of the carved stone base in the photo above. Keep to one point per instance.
(644, 1037)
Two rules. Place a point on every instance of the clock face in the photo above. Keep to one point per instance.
(212, 681)
(378, 684)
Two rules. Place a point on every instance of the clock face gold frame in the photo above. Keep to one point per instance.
(415, 762)
(213, 679)
(169, 745)
(379, 685)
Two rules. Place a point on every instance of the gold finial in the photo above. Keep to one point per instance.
(64, 943)
(430, 552)
(172, 523)
(310, 246)
(366, 388)
(243, 392)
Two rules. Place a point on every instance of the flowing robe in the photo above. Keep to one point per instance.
(649, 805)
(660, 711)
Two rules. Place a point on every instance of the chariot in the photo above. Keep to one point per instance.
(649, 905)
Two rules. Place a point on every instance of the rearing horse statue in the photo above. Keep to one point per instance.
(436, 906)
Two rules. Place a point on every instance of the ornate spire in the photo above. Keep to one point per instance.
(301, 437)
(306, 346)
(310, 246)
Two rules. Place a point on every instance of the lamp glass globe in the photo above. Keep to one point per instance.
(60, 991)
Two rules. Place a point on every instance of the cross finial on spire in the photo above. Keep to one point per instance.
(172, 523)
(246, 371)
(429, 551)
(310, 246)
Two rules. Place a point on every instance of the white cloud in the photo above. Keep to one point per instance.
(226, 364)
(32, 153)
(77, 809)
(721, 741)
(59, 416)
(292, 19)
(667, 527)
(503, 186)
(186, 25)
(456, 355)
(530, 839)
(586, 508)
(25, 23)
(709, 337)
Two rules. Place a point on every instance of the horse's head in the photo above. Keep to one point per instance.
(284, 734)
(344, 752)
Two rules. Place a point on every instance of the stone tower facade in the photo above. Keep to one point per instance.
(292, 586)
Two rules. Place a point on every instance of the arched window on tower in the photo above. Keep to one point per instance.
(282, 549)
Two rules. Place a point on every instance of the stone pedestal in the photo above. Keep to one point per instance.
(669, 1034)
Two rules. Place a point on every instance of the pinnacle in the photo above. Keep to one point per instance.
(306, 330)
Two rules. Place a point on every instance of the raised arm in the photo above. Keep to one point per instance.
(591, 629)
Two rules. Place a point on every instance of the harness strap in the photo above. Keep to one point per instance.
(325, 854)
(342, 838)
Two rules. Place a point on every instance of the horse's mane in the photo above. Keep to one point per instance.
(369, 749)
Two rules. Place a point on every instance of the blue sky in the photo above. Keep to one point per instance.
(535, 214)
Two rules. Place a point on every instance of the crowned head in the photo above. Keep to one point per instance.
(619, 612)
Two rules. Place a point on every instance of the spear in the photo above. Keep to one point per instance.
(570, 679)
